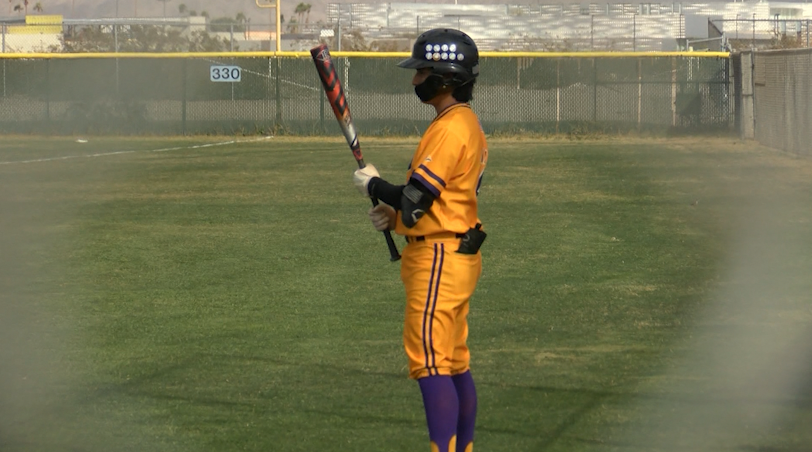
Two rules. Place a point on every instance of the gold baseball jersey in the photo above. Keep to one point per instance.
(439, 281)
(449, 161)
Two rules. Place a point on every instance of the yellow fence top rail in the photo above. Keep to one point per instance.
(43, 20)
(107, 55)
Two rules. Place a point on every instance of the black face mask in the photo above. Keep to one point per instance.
(429, 88)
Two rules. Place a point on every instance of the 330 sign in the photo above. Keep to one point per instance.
(225, 73)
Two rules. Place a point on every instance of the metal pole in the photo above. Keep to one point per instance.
(322, 98)
(594, 90)
(115, 38)
(592, 32)
(557, 95)
(639, 94)
(48, 94)
(278, 25)
(278, 93)
(183, 103)
(673, 91)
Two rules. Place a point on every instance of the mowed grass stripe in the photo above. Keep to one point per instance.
(236, 298)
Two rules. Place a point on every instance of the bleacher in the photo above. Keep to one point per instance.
(560, 27)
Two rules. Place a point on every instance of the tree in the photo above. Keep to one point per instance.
(182, 9)
(18, 7)
(38, 7)
(300, 10)
(143, 38)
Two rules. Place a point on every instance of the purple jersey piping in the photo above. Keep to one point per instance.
(434, 305)
(426, 184)
(426, 310)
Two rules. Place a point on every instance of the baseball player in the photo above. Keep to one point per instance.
(436, 210)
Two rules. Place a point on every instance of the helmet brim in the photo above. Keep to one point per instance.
(414, 63)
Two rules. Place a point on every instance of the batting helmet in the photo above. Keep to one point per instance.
(446, 51)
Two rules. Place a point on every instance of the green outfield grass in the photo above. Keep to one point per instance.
(637, 295)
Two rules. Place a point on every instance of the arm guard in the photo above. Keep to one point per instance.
(412, 200)
(415, 202)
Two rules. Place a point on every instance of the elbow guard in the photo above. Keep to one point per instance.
(414, 204)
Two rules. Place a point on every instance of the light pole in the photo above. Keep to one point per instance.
(278, 6)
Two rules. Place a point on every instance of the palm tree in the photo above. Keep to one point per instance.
(300, 11)
(18, 7)
(182, 9)
(38, 7)
(307, 11)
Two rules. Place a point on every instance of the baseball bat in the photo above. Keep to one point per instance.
(335, 95)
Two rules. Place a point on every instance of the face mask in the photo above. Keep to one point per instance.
(429, 88)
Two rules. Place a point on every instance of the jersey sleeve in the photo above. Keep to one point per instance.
(436, 164)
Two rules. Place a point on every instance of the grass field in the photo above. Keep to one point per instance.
(637, 295)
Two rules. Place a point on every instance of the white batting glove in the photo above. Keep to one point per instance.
(362, 176)
(382, 217)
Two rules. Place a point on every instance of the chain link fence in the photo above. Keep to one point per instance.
(748, 33)
(776, 98)
(261, 94)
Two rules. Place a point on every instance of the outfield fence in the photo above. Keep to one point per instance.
(775, 98)
(280, 93)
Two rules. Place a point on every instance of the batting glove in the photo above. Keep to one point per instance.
(362, 176)
(382, 217)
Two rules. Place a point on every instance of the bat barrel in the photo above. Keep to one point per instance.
(335, 95)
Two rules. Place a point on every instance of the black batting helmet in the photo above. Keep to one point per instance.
(446, 51)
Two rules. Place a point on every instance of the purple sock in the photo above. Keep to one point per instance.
(466, 394)
(442, 408)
